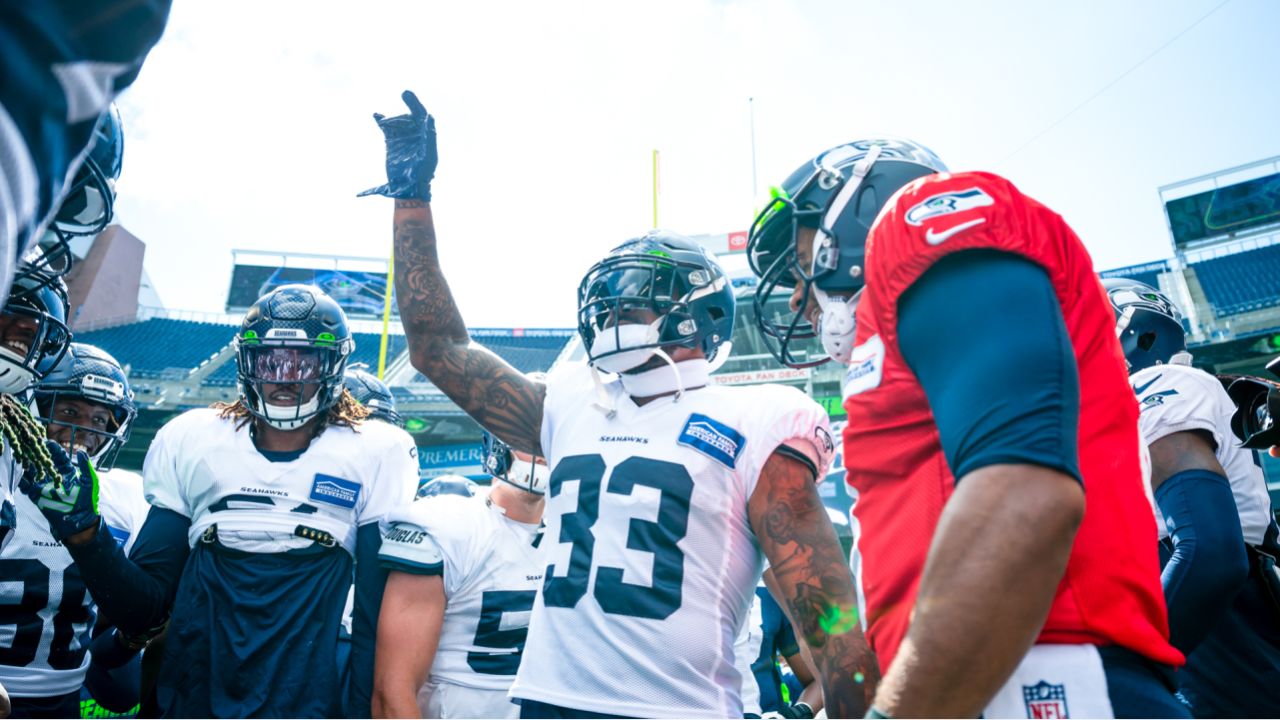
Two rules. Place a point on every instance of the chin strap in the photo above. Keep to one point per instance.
(672, 378)
(604, 403)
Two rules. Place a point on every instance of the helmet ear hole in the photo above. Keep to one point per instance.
(1146, 341)
(715, 313)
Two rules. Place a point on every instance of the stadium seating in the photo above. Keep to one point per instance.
(368, 345)
(161, 347)
(525, 353)
(1242, 282)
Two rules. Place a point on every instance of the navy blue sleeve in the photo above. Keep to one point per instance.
(984, 334)
(1209, 562)
(371, 579)
(784, 636)
(135, 593)
(118, 687)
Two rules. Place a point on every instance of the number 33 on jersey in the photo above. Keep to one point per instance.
(648, 544)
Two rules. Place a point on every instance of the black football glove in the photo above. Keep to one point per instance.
(72, 507)
(411, 152)
(798, 711)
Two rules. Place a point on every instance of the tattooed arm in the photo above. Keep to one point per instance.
(812, 583)
(496, 395)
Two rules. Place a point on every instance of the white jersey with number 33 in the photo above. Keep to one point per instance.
(651, 560)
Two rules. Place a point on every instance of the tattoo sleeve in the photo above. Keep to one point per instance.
(485, 386)
(813, 583)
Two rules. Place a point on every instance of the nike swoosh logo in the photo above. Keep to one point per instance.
(1139, 390)
(937, 238)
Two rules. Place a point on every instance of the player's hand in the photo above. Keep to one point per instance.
(70, 501)
(411, 152)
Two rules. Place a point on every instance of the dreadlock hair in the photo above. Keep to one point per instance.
(347, 412)
(25, 436)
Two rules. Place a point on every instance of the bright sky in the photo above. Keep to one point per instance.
(250, 124)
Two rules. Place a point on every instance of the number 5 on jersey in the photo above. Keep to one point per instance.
(656, 601)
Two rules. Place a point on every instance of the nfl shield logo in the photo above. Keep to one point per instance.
(1045, 700)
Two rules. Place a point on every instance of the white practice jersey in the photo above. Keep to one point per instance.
(651, 560)
(123, 505)
(1177, 397)
(46, 614)
(491, 573)
(10, 474)
(200, 466)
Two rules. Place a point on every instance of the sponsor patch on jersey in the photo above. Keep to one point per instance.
(946, 204)
(713, 439)
(866, 367)
(335, 491)
(121, 536)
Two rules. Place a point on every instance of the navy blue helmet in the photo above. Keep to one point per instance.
(665, 274)
(33, 329)
(89, 203)
(292, 347)
(88, 373)
(838, 193)
(502, 463)
(447, 485)
(371, 392)
(1148, 324)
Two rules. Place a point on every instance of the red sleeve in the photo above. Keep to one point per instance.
(944, 214)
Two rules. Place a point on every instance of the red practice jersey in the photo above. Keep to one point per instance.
(1110, 594)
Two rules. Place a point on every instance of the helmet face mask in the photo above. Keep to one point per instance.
(86, 387)
(837, 196)
(292, 348)
(652, 292)
(504, 464)
(33, 329)
(88, 203)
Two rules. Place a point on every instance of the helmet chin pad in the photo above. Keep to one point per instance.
(14, 375)
(289, 417)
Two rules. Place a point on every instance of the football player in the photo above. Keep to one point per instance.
(86, 404)
(463, 575)
(1212, 510)
(665, 487)
(981, 350)
(372, 393)
(376, 397)
(259, 508)
(37, 303)
(33, 338)
(765, 636)
(64, 61)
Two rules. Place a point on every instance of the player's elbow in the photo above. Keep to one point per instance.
(1048, 503)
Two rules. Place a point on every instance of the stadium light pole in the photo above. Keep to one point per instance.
(386, 314)
(655, 188)
(751, 110)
